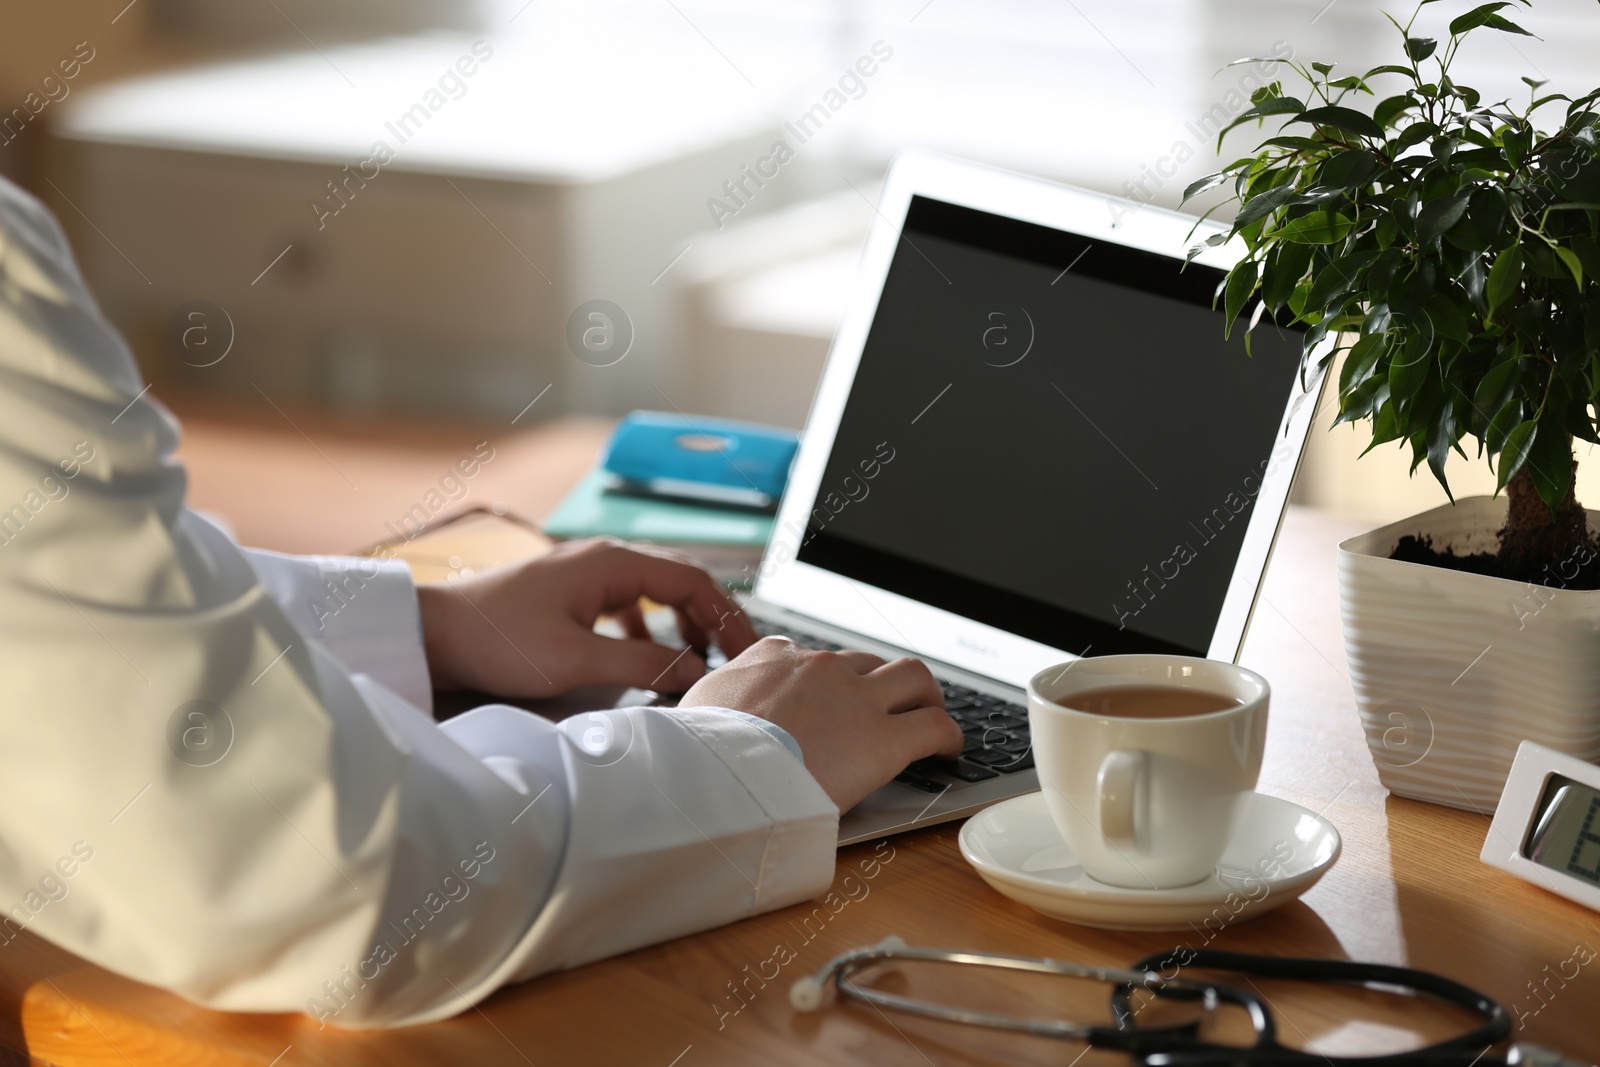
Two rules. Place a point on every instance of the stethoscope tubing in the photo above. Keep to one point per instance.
(1178, 1045)
(806, 994)
(1461, 1050)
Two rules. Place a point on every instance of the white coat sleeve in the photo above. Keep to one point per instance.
(201, 790)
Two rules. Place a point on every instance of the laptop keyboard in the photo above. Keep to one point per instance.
(996, 730)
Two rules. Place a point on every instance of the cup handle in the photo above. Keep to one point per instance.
(1122, 778)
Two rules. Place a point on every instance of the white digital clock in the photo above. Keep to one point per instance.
(1547, 827)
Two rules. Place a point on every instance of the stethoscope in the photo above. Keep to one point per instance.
(1179, 1044)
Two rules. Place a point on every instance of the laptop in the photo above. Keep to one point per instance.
(1031, 443)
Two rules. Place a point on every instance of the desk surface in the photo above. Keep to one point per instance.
(1409, 888)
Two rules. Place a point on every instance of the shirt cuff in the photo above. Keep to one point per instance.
(771, 729)
(798, 856)
(364, 611)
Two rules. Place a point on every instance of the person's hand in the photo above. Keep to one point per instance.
(857, 719)
(527, 629)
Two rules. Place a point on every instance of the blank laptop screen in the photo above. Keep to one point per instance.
(1049, 435)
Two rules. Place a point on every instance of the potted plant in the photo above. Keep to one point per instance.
(1450, 248)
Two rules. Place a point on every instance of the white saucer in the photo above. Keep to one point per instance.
(1279, 852)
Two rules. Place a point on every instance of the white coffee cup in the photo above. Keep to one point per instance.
(1147, 803)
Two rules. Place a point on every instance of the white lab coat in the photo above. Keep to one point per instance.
(307, 838)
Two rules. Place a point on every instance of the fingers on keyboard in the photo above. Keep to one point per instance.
(996, 730)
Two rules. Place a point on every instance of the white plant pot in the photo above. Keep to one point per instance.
(1453, 670)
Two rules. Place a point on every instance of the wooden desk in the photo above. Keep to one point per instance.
(1408, 888)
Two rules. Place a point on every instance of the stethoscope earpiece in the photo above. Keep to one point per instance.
(806, 994)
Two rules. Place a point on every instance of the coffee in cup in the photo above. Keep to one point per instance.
(1148, 702)
(1143, 760)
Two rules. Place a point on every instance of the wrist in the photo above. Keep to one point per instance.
(435, 605)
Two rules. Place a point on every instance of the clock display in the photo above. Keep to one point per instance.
(1565, 833)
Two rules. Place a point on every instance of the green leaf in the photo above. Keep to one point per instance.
(1582, 427)
(1570, 258)
(1441, 435)
(1516, 143)
(1317, 228)
(1392, 108)
(1346, 169)
(1281, 105)
(1241, 283)
(1382, 274)
(1439, 215)
(1499, 22)
(1409, 368)
(1299, 144)
(1242, 60)
(1322, 68)
(1504, 277)
(1263, 204)
(1446, 316)
(1590, 313)
(1210, 242)
(1420, 48)
(1413, 134)
(1480, 164)
(1424, 276)
(1487, 208)
(1286, 266)
(1515, 452)
(1505, 420)
(1390, 68)
(1351, 82)
(1493, 392)
(1322, 194)
(1586, 208)
(1297, 300)
(1276, 105)
(1588, 250)
(1337, 278)
(1250, 330)
(1362, 360)
(1542, 261)
(1342, 118)
(1385, 427)
(1376, 319)
(1550, 460)
(1474, 18)
(1567, 346)
(1363, 400)
(1419, 449)
(1473, 279)
(1210, 181)
(1387, 230)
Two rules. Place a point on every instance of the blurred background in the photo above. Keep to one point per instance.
(345, 237)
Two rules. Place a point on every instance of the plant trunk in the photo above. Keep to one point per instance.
(1536, 539)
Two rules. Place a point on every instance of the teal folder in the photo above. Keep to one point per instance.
(590, 511)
